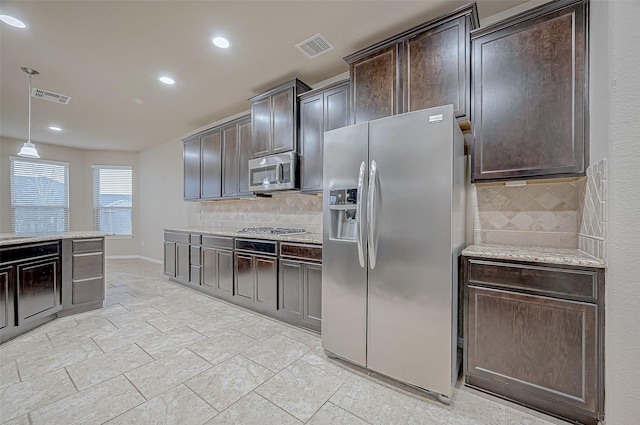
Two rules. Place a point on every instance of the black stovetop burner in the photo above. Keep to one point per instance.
(271, 231)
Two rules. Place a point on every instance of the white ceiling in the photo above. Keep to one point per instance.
(107, 56)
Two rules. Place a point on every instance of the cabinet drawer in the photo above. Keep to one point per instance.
(195, 255)
(177, 237)
(552, 281)
(301, 251)
(87, 265)
(217, 242)
(196, 239)
(88, 290)
(88, 245)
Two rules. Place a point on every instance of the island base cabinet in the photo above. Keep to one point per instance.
(7, 299)
(535, 349)
(83, 282)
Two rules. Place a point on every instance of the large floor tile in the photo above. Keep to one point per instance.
(22, 420)
(374, 403)
(39, 362)
(92, 406)
(21, 398)
(11, 350)
(178, 406)
(330, 414)
(319, 359)
(261, 329)
(106, 366)
(174, 319)
(466, 409)
(212, 325)
(254, 410)
(160, 375)
(277, 352)
(221, 345)
(170, 342)
(136, 317)
(301, 335)
(8, 374)
(228, 382)
(119, 338)
(300, 389)
(85, 328)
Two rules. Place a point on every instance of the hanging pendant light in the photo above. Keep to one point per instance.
(29, 149)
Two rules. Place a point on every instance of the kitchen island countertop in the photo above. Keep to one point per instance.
(560, 256)
(7, 239)
(312, 238)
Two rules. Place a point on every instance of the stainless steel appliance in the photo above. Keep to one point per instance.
(274, 172)
(271, 231)
(393, 211)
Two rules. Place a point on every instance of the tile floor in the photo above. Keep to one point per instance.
(159, 353)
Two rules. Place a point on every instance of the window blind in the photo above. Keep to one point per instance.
(112, 196)
(39, 196)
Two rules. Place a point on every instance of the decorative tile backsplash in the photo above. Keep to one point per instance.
(592, 215)
(562, 214)
(281, 210)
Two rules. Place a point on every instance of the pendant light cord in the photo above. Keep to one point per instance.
(29, 139)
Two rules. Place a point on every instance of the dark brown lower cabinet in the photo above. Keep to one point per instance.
(534, 334)
(30, 282)
(217, 276)
(300, 285)
(256, 281)
(83, 284)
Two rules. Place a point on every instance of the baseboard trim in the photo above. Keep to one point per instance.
(133, 257)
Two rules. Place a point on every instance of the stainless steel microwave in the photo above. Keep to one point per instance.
(274, 172)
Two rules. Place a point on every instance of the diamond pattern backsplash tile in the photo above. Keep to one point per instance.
(537, 214)
(281, 210)
(592, 215)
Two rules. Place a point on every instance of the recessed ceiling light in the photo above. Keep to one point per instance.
(221, 42)
(55, 128)
(166, 80)
(14, 22)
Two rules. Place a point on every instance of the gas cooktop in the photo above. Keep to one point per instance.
(271, 231)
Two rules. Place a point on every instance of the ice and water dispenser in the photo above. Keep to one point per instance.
(343, 207)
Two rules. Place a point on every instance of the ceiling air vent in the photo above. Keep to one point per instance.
(314, 46)
(50, 96)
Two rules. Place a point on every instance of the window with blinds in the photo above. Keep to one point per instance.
(39, 196)
(112, 199)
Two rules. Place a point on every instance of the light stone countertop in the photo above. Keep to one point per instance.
(312, 238)
(7, 239)
(560, 256)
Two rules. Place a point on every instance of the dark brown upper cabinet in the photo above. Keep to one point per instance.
(236, 152)
(426, 66)
(216, 160)
(275, 118)
(320, 110)
(530, 97)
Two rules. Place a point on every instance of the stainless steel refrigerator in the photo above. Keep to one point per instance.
(393, 227)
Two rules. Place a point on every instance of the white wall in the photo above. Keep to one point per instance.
(80, 187)
(622, 339)
(160, 200)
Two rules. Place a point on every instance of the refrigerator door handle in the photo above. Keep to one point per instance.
(359, 211)
(371, 214)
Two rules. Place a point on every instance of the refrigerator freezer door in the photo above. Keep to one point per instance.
(410, 288)
(344, 280)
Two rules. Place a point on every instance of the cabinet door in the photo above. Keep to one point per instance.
(183, 264)
(209, 270)
(267, 282)
(313, 294)
(7, 298)
(225, 272)
(191, 158)
(211, 163)
(282, 115)
(230, 165)
(311, 137)
(529, 98)
(532, 348)
(261, 127)
(374, 86)
(244, 276)
(336, 108)
(38, 289)
(170, 259)
(244, 155)
(437, 68)
(291, 288)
